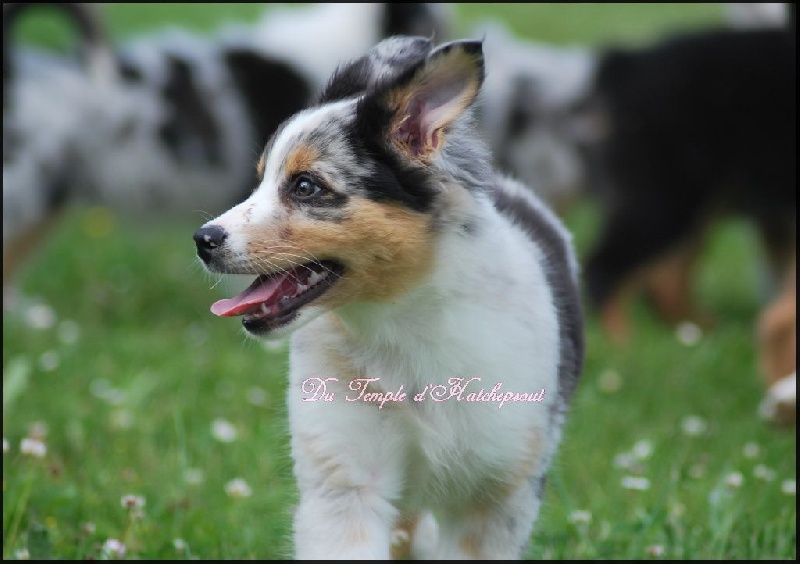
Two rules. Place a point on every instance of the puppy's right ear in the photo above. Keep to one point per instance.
(426, 99)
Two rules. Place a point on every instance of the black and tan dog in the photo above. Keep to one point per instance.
(698, 126)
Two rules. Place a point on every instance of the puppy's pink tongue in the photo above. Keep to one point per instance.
(260, 291)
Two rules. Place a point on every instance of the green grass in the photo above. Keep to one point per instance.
(128, 377)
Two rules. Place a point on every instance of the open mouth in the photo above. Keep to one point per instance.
(273, 299)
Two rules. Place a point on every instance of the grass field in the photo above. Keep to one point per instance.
(137, 390)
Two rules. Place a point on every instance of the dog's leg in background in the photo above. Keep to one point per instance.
(779, 240)
(614, 313)
(668, 284)
(777, 348)
(630, 239)
(776, 329)
(22, 245)
(39, 164)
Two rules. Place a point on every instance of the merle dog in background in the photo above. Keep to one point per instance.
(167, 123)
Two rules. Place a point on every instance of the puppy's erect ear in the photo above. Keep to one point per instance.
(424, 101)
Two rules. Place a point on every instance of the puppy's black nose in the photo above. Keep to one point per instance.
(208, 239)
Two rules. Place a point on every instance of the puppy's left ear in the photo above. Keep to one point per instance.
(427, 99)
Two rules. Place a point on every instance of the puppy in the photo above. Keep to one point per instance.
(698, 126)
(168, 124)
(420, 289)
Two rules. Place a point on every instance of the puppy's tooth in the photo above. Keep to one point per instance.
(314, 278)
(301, 288)
(264, 309)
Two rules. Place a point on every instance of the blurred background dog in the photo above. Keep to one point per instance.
(168, 123)
(699, 127)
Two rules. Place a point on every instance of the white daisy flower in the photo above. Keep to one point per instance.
(131, 501)
(33, 447)
(49, 361)
(693, 426)
(580, 516)
(223, 430)
(623, 460)
(113, 548)
(40, 316)
(764, 473)
(238, 488)
(734, 479)
(751, 450)
(635, 483)
(688, 333)
(643, 449)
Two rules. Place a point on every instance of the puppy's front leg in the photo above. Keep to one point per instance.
(345, 524)
(498, 529)
(348, 463)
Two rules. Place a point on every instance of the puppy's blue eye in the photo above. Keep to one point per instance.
(305, 188)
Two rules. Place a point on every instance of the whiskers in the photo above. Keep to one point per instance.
(217, 283)
(196, 265)
(206, 215)
(294, 256)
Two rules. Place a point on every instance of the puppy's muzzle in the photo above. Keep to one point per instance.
(208, 240)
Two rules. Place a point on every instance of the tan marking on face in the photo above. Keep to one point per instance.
(386, 249)
(300, 159)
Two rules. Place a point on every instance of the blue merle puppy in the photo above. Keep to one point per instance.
(401, 265)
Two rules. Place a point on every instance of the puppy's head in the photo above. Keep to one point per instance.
(350, 195)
